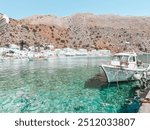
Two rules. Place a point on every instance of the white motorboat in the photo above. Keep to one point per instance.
(124, 67)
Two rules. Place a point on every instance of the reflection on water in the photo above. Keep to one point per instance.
(58, 85)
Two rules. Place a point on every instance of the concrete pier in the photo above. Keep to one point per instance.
(145, 106)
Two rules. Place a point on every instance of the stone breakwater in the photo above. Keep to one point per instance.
(81, 31)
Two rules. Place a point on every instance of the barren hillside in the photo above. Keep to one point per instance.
(81, 31)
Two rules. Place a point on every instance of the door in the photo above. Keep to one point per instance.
(132, 62)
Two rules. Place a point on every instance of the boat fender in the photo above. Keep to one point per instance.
(137, 76)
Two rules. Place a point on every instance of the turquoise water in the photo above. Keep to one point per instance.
(57, 85)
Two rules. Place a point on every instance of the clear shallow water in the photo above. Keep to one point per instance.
(57, 85)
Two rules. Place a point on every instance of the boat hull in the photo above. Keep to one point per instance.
(118, 74)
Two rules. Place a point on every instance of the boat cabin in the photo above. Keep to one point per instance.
(128, 60)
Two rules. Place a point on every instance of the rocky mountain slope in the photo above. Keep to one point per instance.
(81, 31)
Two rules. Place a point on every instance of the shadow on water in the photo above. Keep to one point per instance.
(131, 104)
(98, 82)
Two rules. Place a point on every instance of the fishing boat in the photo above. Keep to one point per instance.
(124, 67)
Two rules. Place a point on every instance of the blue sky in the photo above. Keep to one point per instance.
(23, 8)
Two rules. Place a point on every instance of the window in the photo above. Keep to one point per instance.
(116, 58)
(132, 59)
(125, 58)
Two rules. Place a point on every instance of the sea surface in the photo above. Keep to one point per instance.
(59, 85)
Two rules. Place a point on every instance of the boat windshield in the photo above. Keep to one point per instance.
(120, 58)
(124, 58)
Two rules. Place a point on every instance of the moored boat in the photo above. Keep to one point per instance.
(124, 67)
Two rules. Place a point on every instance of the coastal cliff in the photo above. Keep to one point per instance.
(82, 30)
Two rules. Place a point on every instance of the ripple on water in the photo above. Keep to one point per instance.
(57, 86)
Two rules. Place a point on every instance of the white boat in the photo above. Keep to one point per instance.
(124, 67)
